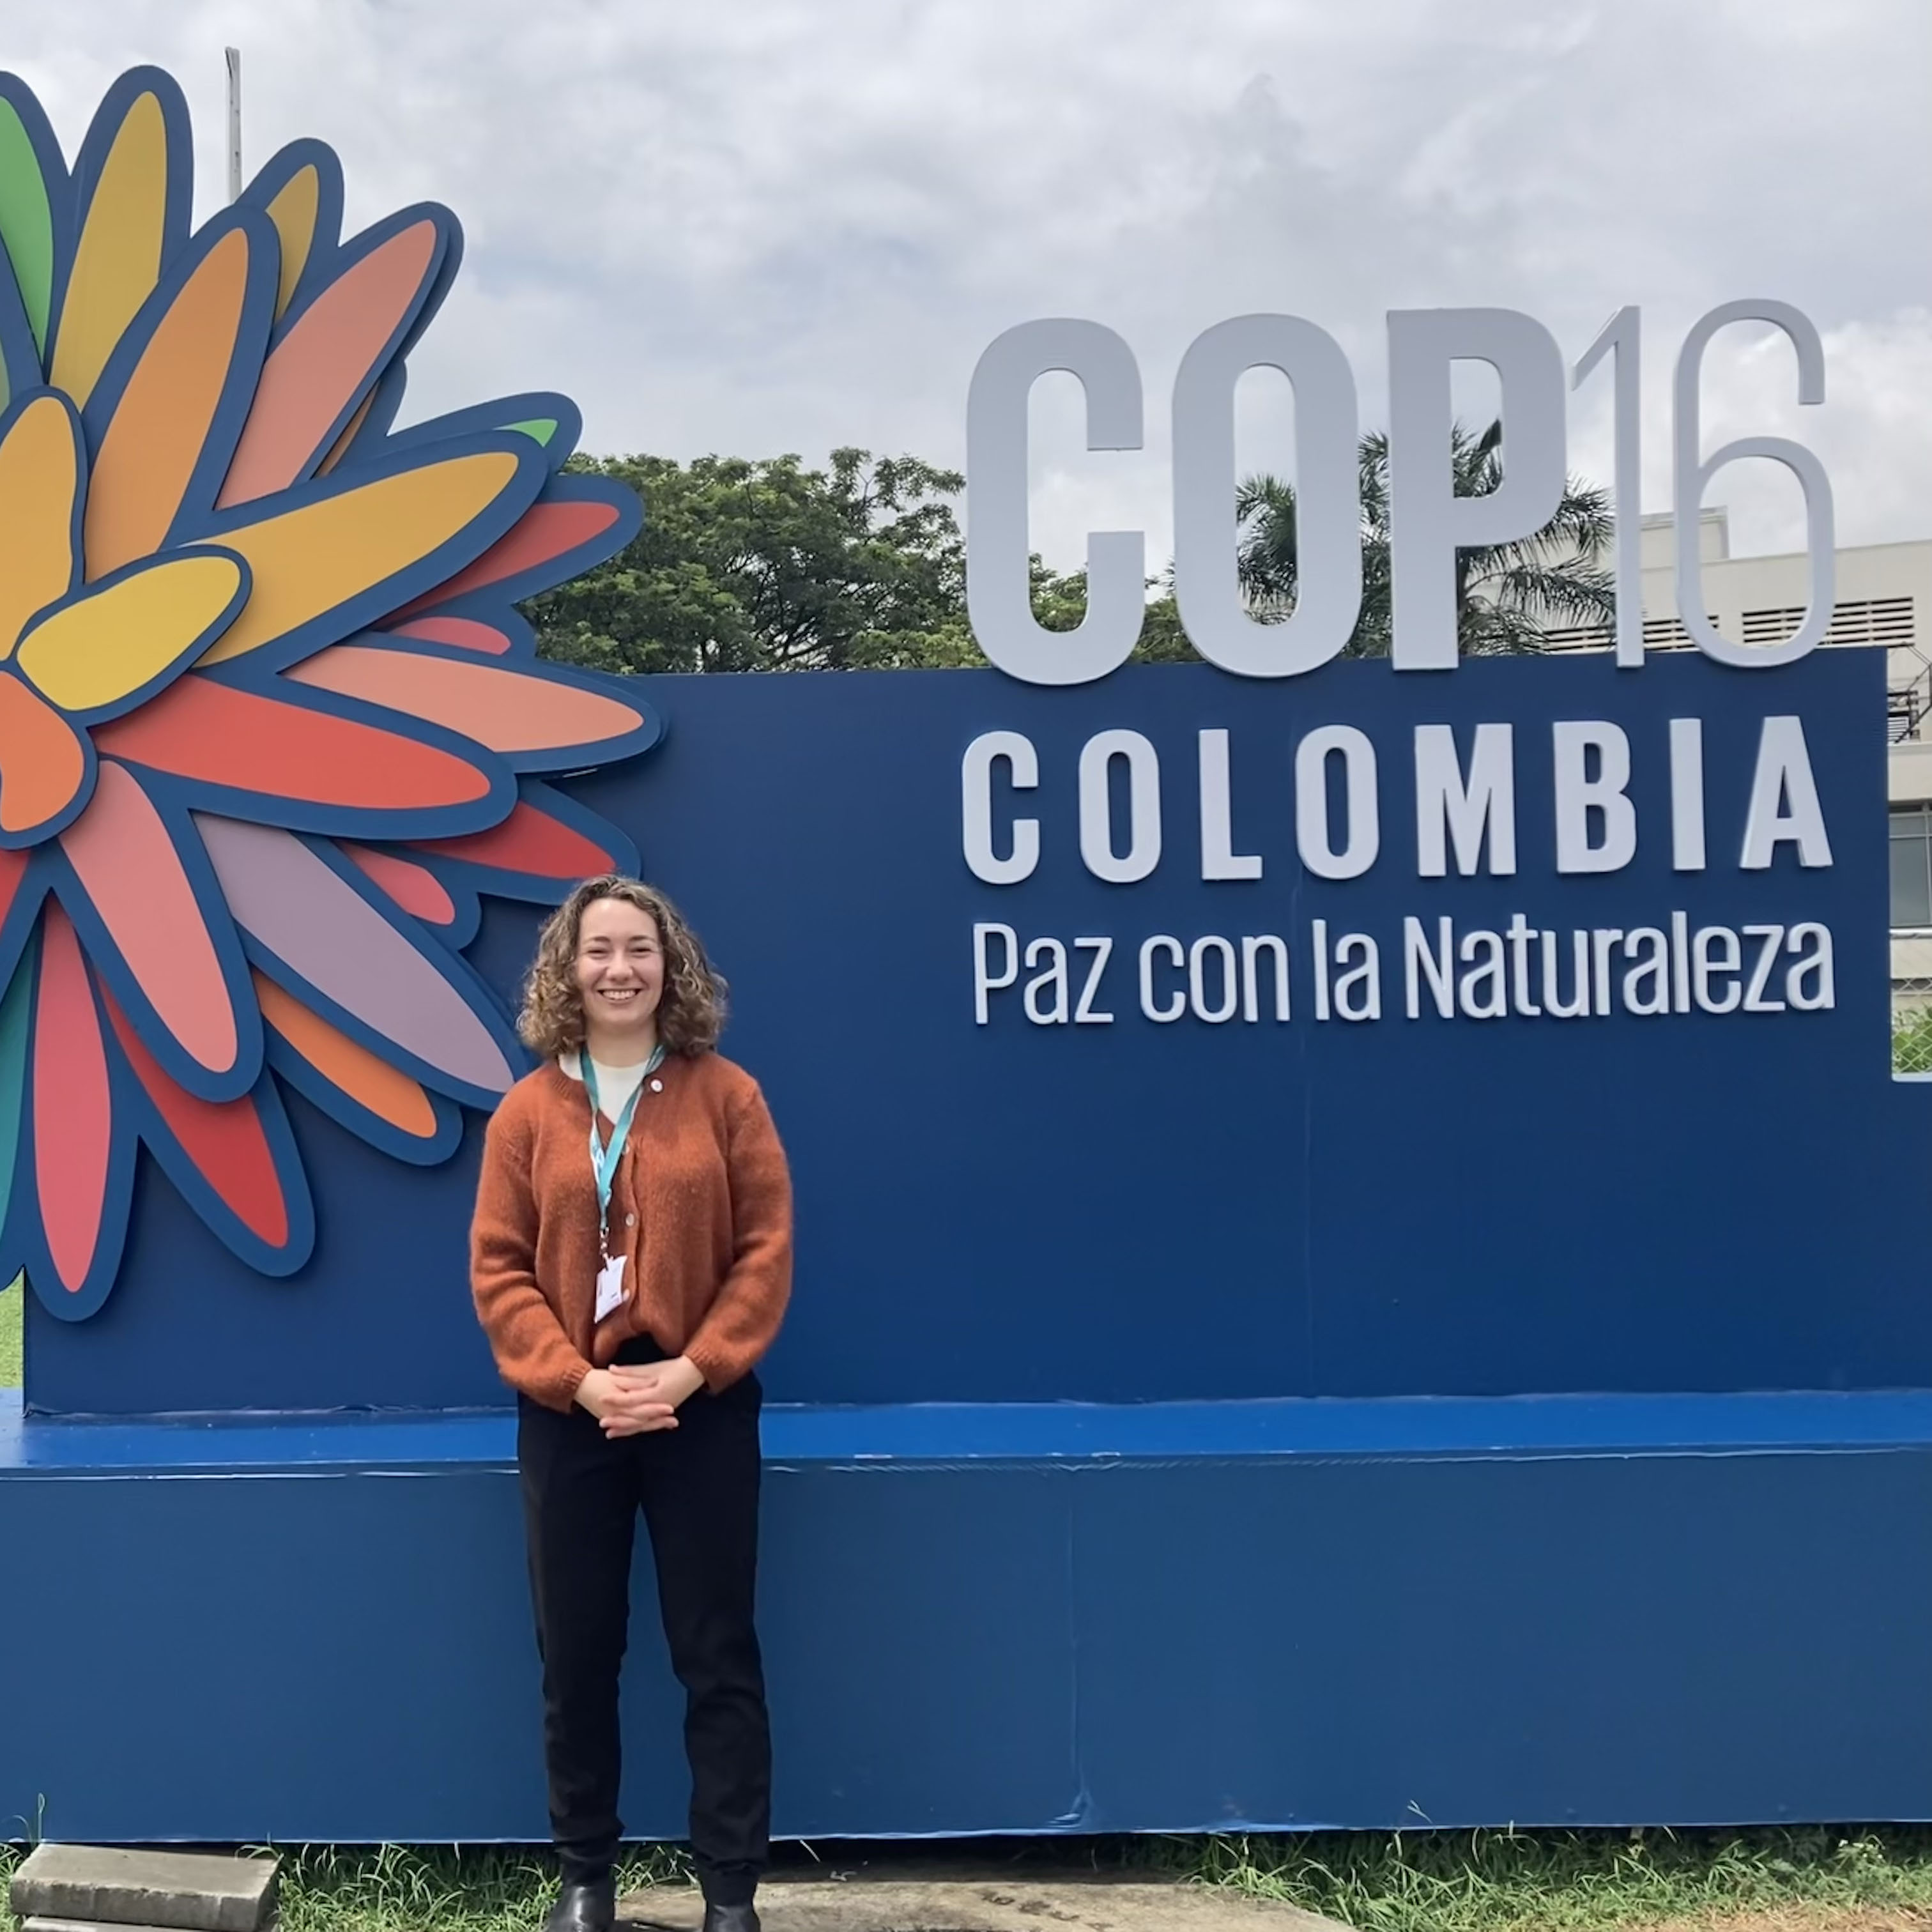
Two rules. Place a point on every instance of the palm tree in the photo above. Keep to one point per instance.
(1507, 594)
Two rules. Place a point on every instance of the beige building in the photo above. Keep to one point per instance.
(1884, 597)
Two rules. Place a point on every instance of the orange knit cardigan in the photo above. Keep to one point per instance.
(701, 1204)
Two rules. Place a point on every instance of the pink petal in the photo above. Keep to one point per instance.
(73, 1109)
(127, 864)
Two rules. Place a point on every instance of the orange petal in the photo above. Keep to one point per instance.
(161, 422)
(43, 764)
(371, 1083)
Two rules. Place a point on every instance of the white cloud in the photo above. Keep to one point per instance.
(771, 225)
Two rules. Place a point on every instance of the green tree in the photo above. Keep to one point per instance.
(1059, 602)
(1507, 594)
(769, 565)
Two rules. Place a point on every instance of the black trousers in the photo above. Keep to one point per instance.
(698, 1487)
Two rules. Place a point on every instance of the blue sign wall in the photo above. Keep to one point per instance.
(1144, 1210)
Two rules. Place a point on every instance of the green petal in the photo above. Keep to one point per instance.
(26, 221)
(542, 428)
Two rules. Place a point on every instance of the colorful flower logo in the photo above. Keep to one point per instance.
(269, 722)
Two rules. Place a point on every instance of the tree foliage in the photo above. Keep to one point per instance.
(1060, 603)
(769, 565)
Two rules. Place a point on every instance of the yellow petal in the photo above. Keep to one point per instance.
(113, 642)
(39, 473)
(311, 560)
(117, 260)
(293, 212)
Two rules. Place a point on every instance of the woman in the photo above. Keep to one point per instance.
(631, 1258)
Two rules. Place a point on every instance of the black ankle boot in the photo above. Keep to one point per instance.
(731, 1917)
(585, 1908)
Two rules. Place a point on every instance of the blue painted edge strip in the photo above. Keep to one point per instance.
(945, 1434)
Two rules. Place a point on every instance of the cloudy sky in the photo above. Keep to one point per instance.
(754, 226)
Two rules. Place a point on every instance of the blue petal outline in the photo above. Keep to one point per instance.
(111, 967)
(371, 604)
(117, 1197)
(132, 701)
(245, 361)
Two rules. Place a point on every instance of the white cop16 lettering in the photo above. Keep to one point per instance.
(1428, 523)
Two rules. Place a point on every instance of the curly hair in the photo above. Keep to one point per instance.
(690, 1012)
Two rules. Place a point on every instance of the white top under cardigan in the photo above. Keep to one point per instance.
(615, 1084)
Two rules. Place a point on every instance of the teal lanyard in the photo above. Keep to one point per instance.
(604, 1159)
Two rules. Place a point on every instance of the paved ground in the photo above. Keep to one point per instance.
(901, 1902)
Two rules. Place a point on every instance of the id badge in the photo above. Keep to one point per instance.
(610, 1287)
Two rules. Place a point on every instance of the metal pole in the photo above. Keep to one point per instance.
(234, 124)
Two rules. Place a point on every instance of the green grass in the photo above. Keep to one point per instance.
(403, 1888)
(12, 1302)
(394, 1888)
(1543, 1881)
(1412, 1882)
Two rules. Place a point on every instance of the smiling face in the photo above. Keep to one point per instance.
(620, 970)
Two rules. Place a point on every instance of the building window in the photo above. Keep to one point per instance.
(1912, 866)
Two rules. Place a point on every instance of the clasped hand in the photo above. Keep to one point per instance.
(633, 1399)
